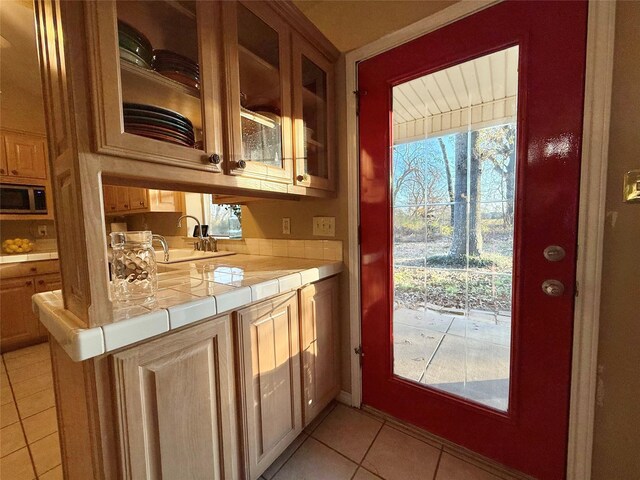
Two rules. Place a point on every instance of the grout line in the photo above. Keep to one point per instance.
(435, 472)
(24, 434)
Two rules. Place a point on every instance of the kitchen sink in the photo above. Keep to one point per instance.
(177, 255)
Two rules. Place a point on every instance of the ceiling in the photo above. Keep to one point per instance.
(19, 68)
(479, 92)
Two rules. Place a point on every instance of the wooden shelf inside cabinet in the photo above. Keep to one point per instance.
(140, 85)
(182, 7)
(257, 76)
(311, 98)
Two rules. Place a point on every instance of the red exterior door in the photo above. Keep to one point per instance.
(465, 179)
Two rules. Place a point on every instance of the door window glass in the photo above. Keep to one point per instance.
(453, 192)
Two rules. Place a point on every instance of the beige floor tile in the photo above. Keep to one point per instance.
(397, 456)
(35, 356)
(55, 474)
(321, 416)
(5, 396)
(36, 403)
(11, 439)
(348, 431)
(30, 371)
(315, 461)
(46, 453)
(39, 348)
(4, 380)
(17, 466)
(40, 425)
(453, 468)
(8, 414)
(33, 385)
(363, 474)
(286, 455)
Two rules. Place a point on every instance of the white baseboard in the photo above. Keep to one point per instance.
(344, 397)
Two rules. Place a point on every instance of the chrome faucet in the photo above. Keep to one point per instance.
(165, 246)
(201, 244)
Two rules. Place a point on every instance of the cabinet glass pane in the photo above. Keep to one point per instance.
(160, 73)
(260, 98)
(314, 118)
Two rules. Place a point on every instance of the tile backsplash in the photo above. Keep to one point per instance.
(312, 249)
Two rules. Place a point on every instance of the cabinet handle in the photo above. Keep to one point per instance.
(112, 207)
(126, 206)
(33, 269)
(241, 164)
(215, 159)
(28, 284)
(300, 178)
(2, 171)
(15, 172)
(141, 204)
(40, 282)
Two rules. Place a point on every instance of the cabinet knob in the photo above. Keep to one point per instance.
(142, 204)
(300, 178)
(2, 171)
(40, 282)
(28, 284)
(113, 207)
(215, 159)
(126, 206)
(14, 172)
(241, 164)
(33, 269)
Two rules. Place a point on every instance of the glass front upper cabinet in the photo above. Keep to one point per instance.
(257, 44)
(156, 80)
(312, 113)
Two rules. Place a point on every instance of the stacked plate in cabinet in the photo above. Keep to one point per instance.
(134, 46)
(158, 123)
(176, 67)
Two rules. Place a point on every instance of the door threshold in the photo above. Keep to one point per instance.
(497, 469)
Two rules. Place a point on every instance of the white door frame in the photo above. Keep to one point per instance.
(595, 144)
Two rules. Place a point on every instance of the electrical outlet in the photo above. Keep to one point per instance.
(42, 230)
(286, 226)
(324, 226)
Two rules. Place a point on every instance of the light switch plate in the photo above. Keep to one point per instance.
(632, 186)
(324, 226)
(286, 226)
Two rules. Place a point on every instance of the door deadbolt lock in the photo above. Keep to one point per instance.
(554, 253)
(553, 288)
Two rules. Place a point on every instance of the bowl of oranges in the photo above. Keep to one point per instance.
(17, 245)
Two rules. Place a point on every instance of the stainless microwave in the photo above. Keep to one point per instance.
(23, 199)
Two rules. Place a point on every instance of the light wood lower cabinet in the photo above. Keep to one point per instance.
(268, 380)
(319, 340)
(176, 405)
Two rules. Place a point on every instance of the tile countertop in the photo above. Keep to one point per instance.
(187, 292)
(28, 257)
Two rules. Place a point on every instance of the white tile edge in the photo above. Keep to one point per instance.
(85, 343)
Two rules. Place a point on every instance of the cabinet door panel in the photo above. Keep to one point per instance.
(177, 405)
(320, 346)
(269, 379)
(19, 325)
(165, 201)
(110, 194)
(313, 126)
(138, 198)
(258, 59)
(25, 156)
(122, 198)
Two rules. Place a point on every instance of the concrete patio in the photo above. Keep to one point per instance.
(465, 355)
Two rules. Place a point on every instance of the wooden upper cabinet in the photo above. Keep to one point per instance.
(110, 195)
(320, 348)
(257, 46)
(268, 380)
(313, 117)
(139, 47)
(176, 399)
(138, 198)
(23, 156)
(165, 201)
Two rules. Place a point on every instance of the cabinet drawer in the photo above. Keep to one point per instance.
(48, 283)
(23, 269)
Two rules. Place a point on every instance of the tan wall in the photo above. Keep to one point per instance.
(617, 425)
